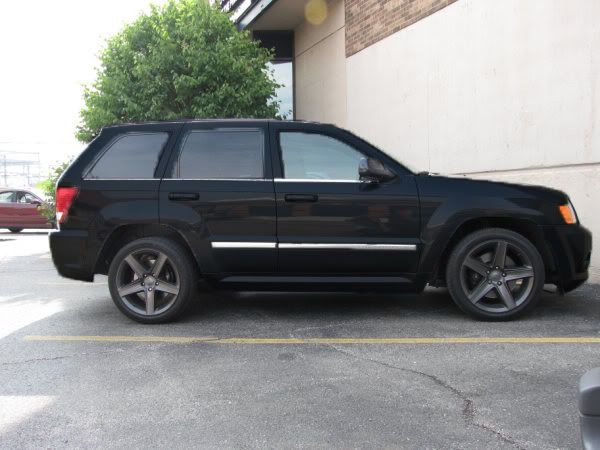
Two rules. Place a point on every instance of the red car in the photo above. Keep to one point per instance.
(19, 209)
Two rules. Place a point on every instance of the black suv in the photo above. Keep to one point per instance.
(261, 204)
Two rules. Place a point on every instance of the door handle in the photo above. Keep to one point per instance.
(182, 196)
(301, 198)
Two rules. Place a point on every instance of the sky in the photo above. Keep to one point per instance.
(48, 50)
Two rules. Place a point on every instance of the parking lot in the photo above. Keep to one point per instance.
(282, 370)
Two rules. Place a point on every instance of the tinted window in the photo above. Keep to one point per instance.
(317, 157)
(221, 154)
(8, 197)
(133, 155)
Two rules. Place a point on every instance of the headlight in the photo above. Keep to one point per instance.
(567, 212)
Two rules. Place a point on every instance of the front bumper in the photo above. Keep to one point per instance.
(69, 251)
(571, 248)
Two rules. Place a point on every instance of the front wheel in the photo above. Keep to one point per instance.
(152, 280)
(15, 230)
(495, 274)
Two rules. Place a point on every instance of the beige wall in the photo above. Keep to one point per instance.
(581, 182)
(320, 68)
(495, 89)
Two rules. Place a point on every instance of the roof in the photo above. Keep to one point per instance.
(9, 188)
(180, 121)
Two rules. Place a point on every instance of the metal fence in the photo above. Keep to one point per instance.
(20, 169)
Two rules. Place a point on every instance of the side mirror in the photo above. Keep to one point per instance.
(35, 202)
(372, 170)
(589, 409)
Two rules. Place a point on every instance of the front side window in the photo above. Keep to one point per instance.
(26, 197)
(311, 156)
(8, 197)
(130, 156)
(221, 154)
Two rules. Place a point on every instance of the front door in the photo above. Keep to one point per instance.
(329, 221)
(218, 192)
(28, 209)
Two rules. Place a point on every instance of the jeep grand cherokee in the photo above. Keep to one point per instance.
(266, 204)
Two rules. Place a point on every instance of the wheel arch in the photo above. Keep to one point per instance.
(124, 234)
(524, 227)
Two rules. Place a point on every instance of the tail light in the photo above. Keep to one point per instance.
(64, 198)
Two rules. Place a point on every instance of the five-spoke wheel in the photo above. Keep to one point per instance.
(495, 273)
(151, 280)
(147, 282)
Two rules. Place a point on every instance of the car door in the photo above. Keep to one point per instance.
(218, 192)
(329, 221)
(8, 210)
(28, 209)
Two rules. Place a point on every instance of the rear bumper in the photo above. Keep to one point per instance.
(571, 247)
(69, 250)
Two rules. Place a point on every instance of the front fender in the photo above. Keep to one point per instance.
(448, 205)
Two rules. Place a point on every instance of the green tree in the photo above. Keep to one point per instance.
(48, 187)
(185, 59)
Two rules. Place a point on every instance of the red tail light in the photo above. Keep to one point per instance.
(64, 198)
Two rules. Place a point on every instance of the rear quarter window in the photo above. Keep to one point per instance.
(129, 156)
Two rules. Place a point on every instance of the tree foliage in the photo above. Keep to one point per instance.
(185, 59)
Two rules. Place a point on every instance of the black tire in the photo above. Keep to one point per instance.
(179, 264)
(15, 229)
(503, 297)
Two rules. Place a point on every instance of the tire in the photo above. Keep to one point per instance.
(171, 289)
(488, 286)
(15, 229)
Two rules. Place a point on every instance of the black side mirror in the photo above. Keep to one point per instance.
(372, 170)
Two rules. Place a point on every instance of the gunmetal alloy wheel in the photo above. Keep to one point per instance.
(495, 274)
(152, 280)
(147, 282)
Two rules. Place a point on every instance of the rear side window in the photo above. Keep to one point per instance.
(8, 197)
(214, 154)
(130, 156)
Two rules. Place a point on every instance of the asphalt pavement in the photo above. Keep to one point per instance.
(282, 370)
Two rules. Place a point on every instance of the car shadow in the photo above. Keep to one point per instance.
(321, 304)
(431, 307)
(24, 232)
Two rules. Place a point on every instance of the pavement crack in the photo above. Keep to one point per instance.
(468, 410)
(56, 358)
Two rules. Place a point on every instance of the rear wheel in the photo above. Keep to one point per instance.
(152, 280)
(495, 274)
(15, 230)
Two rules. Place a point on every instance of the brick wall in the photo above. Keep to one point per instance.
(368, 21)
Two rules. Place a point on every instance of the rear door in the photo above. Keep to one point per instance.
(331, 223)
(218, 192)
(8, 210)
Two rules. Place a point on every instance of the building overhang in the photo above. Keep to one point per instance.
(270, 15)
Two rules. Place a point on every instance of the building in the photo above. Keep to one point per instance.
(499, 89)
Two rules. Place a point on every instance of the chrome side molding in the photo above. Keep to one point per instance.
(243, 244)
(332, 246)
